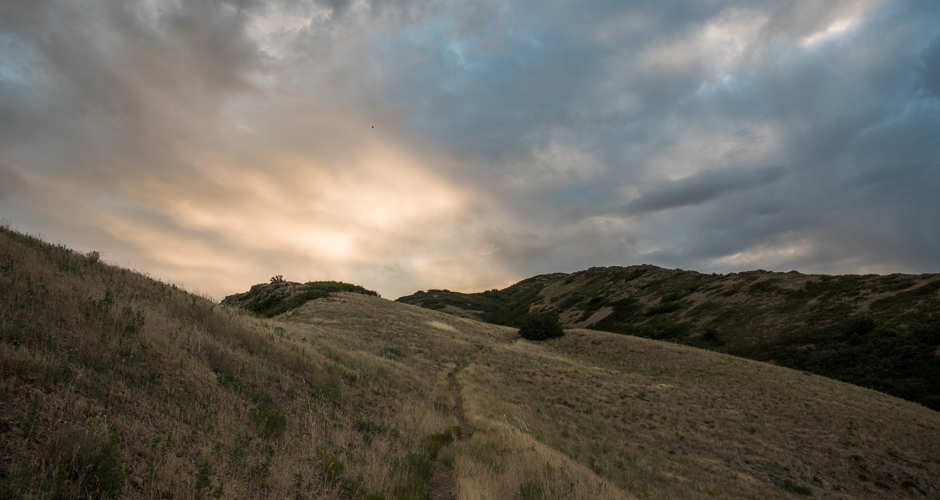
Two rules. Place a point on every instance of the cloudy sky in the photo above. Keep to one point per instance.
(407, 145)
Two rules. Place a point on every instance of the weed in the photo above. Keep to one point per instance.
(86, 465)
(368, 429)
(328, 389)
(269, 421)
(333, 468)
(531, 490)
(239, 449)
(414, 472)
(262, 469)
(392, 353)
(203, 479)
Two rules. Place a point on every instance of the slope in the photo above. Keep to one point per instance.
(630, 416)
(116, 385)
(881, 332)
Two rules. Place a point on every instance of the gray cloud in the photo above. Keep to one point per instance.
(235, 139)
(700, 188)
(10, 182)
(931, 67)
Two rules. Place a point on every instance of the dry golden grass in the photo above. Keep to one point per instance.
(113, 383)
(625, 416)
(501, 461)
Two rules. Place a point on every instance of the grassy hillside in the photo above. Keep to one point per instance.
(116, 385)
(881, 332)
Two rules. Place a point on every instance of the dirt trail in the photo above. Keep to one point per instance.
(465, 428)
(442, 480)
(442, 483)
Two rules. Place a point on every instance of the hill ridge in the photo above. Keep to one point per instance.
(881, 331)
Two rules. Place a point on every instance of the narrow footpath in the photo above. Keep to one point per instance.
(443, 484)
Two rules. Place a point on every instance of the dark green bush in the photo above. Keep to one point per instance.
(540, 326)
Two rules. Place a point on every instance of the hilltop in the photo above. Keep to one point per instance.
(280, 296)
(877, 331)
(116, 385)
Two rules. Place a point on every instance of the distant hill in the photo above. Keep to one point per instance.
(877, 331)
(279, 296)
(115, 385)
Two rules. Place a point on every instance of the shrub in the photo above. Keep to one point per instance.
(711, 335)
(531, 491)
(87, 466)
(664, 307)
(203, 473)
(269, 422)
(540, 326)
(859, 326)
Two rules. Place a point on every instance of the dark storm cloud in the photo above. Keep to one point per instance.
(829, 90)
(207, 138)
(700, 188)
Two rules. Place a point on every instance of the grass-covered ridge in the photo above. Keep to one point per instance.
(877, 331)
(113, 385)
(279, 296)
(116, 385)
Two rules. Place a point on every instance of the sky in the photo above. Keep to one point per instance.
(406, 145)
